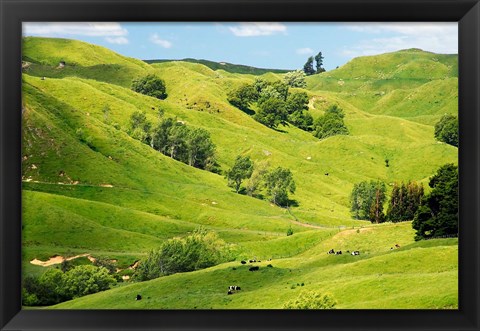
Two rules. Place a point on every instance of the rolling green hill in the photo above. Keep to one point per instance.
(88, 187)
(229, 67)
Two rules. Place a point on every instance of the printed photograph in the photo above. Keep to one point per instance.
(239, 165)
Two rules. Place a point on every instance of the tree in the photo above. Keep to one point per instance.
(150, 85)
(87, 279)
(404, 201)
(330, 124)
(140, 126)
(295, 79)
(297, 108)
(376, 214)
(319, 64)
(242, 169)
(255, 183)
(201, 249)
(279, 182)
(438, 212)
(160, 135)
(242, 96)
(308, 67)
(367, 199)
(200, 148)
(446, 130)
(272, 113)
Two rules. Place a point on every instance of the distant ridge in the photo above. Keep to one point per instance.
(229, 67)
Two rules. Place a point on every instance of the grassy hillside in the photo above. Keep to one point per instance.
(88, 187)
(380, 279)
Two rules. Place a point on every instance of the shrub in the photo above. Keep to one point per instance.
(311, 300)
(202, 249)
(87, 279)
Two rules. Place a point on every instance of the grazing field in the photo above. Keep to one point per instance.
(90, 188)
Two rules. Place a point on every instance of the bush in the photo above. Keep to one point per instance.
(446, 130)
(200, 250)
(289, 231)
(330, 124)
(150, 85)
(311, 300)
(87, 279)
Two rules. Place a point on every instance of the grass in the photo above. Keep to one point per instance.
(111, 196)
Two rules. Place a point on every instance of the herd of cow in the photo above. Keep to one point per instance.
(332, 251)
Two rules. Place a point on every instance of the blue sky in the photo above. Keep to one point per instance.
(266, 45)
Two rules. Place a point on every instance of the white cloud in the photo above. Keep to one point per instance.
(112, 32)
(433, 37)
(257, 29)
(82, 29)
(117, 40)
(155, 38)
(304, 51)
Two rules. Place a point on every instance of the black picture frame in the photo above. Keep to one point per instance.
(14, 12)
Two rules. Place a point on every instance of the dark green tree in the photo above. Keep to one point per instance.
(376, 214)
(438, 212)
(242, 96)
(279, 182)
(319, 63)
(446, 130)
(150, 85)
(272, 113)
(241, 170)
(297, 108)
(87, 279)
(308, 67)
(330, 124)
(199, 250)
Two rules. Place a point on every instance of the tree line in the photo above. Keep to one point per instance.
(173, 138)
(434, 214)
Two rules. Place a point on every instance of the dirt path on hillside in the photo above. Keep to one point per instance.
(57, 259)
(315, 226)
(29, 180)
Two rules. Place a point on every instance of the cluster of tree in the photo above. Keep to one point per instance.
(446, 130)
(175, 139)
(277, 182)
(404, 201)
(330, 124)
(437, 215)
(434, 214)
(55, 286)
(308, 67)
(367, 201)
(275, 103)
(150, 85)
(201, 249)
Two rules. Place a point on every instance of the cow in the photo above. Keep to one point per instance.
(234, 288)
(243, 262)
(338, 253)
(139, 297)
(397, 246)
(326, 174)
(332, 251)
(355, 253)
(254, 268)
(251, 261)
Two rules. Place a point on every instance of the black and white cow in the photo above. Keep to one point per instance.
(355, 253)
(332, 251)
(243, 262)
(338, 253)
(139, 297)
(234, 288)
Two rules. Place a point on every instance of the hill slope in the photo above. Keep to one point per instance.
(91, 188)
